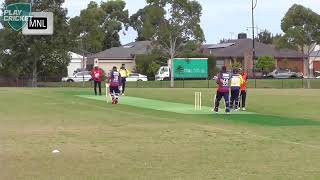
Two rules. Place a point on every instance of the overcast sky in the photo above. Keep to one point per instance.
(221, 18)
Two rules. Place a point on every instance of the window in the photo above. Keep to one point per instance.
(79, 74)
(283, 71)
(134, 74)
(219, 63)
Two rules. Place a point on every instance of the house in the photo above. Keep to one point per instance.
(117, 56)
(240, 50)
(77, 63)
(315, 60)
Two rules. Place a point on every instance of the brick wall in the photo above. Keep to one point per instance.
(247, 63)
(316, 65)
(293, 64)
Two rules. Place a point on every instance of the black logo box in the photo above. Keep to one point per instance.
(38, 23)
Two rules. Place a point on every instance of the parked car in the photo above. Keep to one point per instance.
(317, 74)
(78, 77)
(284, 74)
(137, 77)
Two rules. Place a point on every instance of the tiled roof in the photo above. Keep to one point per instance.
(237, 48)
(125, 51)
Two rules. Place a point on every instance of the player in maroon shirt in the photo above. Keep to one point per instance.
(222, 80)
(114, 85)
(97, 75)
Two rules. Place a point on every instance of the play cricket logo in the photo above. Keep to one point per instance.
(17, 15)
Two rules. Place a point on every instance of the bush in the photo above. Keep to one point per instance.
(148, 64)
(236, 65)
(266, 64)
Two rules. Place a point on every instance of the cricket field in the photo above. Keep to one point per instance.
(155, 134)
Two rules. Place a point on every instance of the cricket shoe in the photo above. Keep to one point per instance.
(237, 109)
(116, 101)
(215, 110)
(244, 109)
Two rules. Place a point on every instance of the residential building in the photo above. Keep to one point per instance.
(77, 63)
(117, 56)
(315, 60)
(240, 50)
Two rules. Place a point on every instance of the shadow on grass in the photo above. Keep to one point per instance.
(266, 120)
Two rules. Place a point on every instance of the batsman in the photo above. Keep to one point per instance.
(115, 85)
(222, 80)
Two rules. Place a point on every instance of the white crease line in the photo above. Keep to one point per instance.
(168, 119)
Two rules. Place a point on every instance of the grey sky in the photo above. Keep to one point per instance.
(221, 18)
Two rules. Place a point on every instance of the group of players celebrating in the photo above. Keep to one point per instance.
(230, 87)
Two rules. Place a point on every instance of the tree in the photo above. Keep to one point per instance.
(37, 55)
(266, 64)
(236, 65)
(148, 64)
(146, 20)
(225, 40)
(115, 18)
(179, 23)
(282, 42)
(153, 68)
(97, 28)
(302, 29)
(265, 37)
(86, 28)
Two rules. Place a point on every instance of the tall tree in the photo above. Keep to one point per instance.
(179, 22)
(86, 28)
(37, 55)
(302, 29)
(97, 28)
(282, 42)
(146, 20)
(265, 37)
(116, 17)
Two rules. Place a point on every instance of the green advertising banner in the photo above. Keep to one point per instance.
(188, 68)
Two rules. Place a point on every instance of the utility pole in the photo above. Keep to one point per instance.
(231, 35)
(82, 35)
(254, 5)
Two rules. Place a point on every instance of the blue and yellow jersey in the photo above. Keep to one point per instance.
(236, 81)
(124, 73)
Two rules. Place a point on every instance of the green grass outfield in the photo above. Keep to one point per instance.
(97, 140)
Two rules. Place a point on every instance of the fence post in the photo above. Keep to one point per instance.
(183, 82)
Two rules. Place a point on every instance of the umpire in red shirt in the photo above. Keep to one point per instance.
(97, 75)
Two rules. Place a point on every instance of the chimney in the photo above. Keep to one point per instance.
(242, 36)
